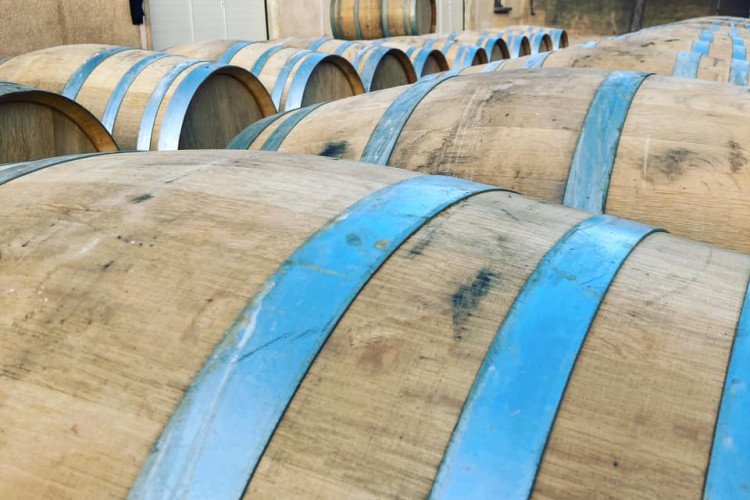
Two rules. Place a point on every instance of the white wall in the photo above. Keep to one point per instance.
(450, 15)
(176, 22)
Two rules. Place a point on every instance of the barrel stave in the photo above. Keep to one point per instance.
(106, 327)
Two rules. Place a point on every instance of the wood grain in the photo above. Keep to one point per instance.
(121, 273)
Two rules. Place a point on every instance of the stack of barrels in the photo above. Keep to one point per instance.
(547, 295)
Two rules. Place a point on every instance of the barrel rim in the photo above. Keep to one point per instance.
(91, 127)
(435, 55)
(171, 131)
(371, 66)
(496, 42)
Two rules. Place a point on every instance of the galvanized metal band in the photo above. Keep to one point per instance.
(739, 51)
(516, 42)
(371, 64)
(556, 35)
(498, 442)
(12, 171)
(384, 16)
(342, 48)
(282, 131)
(118, 94)
(385, 135)
(707, 36)
(404, 8)
(317, 43)
(9, 88)
(728, 469)
(490, 44)
(232, 51)
(590, 45)
(686, 64)
(537, 60)
(458, 61)
(493, 66)
(212, 444)
(594, 158)
(278, 87)
(333, 18)
(421, 60)
(148, 120)
(536, 42)
(247, 137)
(482, 38)
(174, 118)
(359, 56)
(357, 29)
(434, 76)
(263, 59)
(84, 71)
(739, 72)
(299, 81)
(413, 17)
(701, 47)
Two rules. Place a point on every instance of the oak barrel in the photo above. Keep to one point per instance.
(494, 46)
(148, 100)
(425, 61)
(294, 77)
(371, 19)
(718, 44)
(665, 151)
(380, 67)
(643, 57)
(209, 324)
(558, 36)
(459, 55)
(36, 124)
(518, 44)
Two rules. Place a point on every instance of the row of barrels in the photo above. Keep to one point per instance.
(233, 324)
(202, 95)
(378, 332)
(709, 49)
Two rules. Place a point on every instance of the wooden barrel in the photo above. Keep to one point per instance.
(294, 77)
(518, 44)
(722, 45)
(596, 54)
(540, 42)
(559, 37)
(717, 21)
(213, 324)
(494, 46)
(425, 61)
(378, 67)
(458, 55)
(371, 19)
(666, 151)
(36, 124)
(148, 100)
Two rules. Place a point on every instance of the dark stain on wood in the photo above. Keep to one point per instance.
(422, 244)
(670, 165)
(335, 149)
(467, 299)
(142, 198)
(737, 159)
